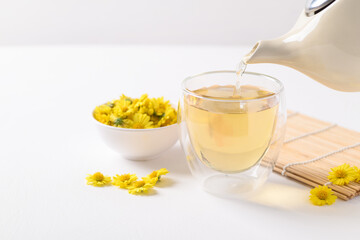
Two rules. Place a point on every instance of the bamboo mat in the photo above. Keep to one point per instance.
(327, 138)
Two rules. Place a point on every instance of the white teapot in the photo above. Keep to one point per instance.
(324, 44)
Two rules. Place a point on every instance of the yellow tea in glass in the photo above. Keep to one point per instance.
(230, 136)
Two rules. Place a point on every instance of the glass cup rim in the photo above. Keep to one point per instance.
(188, 92)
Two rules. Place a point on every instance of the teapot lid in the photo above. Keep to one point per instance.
(313, 7)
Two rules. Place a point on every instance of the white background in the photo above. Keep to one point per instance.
(145, 21)
(87, 52)
(48, 144)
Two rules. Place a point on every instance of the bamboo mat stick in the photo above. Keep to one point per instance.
(309, 143)
(310, 183)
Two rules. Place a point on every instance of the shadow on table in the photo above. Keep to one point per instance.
(173, 159)
(278, 197)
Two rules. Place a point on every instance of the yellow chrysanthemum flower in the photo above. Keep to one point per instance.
(155, 176)
(160, 105)
(322, 195)
(357, 174)
(102, 113)
(104, 109)
(124, 103)
(168, 118)
(98, 179)
(342, 174)
(124, 180)
(145, 105)
(139, 187)
(118, 121)
(118, 112)
(141, 121)
(138, 113)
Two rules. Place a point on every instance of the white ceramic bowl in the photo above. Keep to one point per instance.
(138, 144)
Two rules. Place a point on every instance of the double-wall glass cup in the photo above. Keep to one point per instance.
(231, 144)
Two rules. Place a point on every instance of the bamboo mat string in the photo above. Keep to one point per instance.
(319, 158)
(327, 135)
(310, 133)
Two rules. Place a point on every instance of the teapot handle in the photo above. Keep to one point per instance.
(313, 7)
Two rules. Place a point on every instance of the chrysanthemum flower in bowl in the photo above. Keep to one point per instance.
(138, 129)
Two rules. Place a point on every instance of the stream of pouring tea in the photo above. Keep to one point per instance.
(240, 69)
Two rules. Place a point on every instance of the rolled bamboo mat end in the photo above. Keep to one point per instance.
(312, 147)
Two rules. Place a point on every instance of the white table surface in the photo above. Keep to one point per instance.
(48, 144)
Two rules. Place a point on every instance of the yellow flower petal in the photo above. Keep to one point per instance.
(98, 179)
(342, 174)
(155, 176)
(141, 121)
(139, 187)
(357, 174)
(322, 195)
(124, 180)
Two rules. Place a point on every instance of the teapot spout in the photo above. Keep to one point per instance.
(269, 51)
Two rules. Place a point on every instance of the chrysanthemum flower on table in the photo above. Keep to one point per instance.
(322, 195)
(139, 187)
(98, 179)
(155, 176)
(128, 181)
(342, 175)
(124, 180)
(141, 113)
